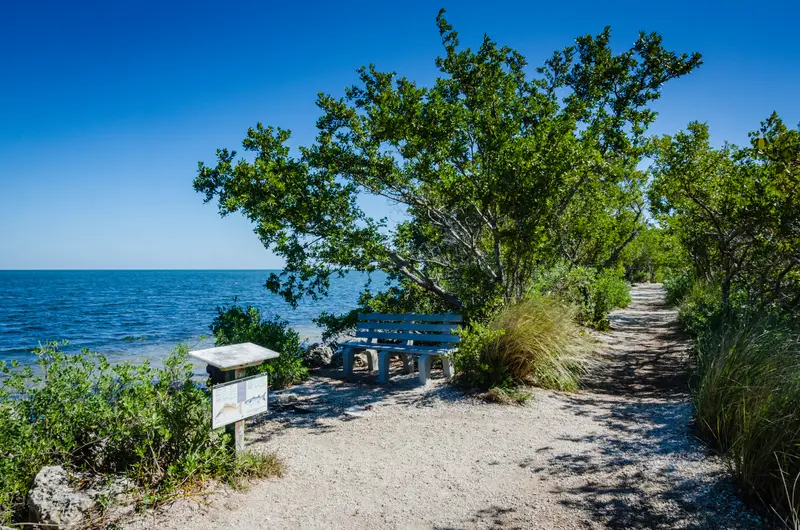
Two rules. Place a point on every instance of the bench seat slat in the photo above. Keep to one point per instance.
(408, 326)
(400, 348)
(410, 317)
(436, 337)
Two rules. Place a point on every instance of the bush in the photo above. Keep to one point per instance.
(610, 291)
(595, 293)
(236, 324)
(534, 342)
(152, 425)
(747, 397)
(701, 308)
(677, 285)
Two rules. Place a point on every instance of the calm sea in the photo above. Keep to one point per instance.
(133, 315)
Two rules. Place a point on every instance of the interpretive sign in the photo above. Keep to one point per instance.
(237, 400)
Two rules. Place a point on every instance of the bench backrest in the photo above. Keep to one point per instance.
(437, 328)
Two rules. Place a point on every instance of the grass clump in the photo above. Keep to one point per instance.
(253, 465)
(152, 425)
(747, 396)
(507, 396)
(236, 324)
(534, 342)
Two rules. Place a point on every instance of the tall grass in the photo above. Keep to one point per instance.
(747, 396)
(536, 342)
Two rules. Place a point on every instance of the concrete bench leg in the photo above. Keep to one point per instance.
(447, 366)
(408, 363)
(347, 361)
(383, 366)
(372, 360)
(424, 368)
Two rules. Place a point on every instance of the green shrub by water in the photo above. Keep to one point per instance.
(236, 324)
(535, 342)
(152, 425)
(747, 396)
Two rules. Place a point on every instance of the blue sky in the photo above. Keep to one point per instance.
(108, 106)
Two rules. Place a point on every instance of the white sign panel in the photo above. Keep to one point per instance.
(237, 400)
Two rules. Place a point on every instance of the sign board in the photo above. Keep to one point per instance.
(237, 400)
(235, 356)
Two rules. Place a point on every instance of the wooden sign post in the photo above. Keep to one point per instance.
(239, 397)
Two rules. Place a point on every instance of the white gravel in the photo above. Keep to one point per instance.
(619, 454)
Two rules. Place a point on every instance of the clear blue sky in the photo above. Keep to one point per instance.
(108, 106)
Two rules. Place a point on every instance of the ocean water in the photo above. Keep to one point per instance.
(134, 315)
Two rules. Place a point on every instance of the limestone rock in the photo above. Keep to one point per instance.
(53, 502)
(318, 355)
(119, 490)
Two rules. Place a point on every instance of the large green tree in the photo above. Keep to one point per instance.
(736, 210)
(501, 170)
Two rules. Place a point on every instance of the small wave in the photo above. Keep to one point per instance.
(131, 338)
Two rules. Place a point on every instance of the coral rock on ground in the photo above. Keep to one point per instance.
(619, 454)
(52, 501)
(318, 355)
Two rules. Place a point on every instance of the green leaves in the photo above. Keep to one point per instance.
(499, 173)
(153, 425)
(735, 210)
(236, 324)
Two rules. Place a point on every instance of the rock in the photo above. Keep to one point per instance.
(283, 399)
(336, 360)
(318, 355)
(52, 501)
(117, 489)
(360, 360)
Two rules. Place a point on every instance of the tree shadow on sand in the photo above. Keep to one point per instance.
(329, 395)
(646, 469)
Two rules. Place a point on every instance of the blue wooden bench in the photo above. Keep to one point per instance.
(406, 335)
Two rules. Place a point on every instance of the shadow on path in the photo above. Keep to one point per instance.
(331, 395)
(643, 468)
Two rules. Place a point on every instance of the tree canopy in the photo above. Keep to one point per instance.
(736, 210)
(502, 170)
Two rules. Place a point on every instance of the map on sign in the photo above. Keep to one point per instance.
(237, 400)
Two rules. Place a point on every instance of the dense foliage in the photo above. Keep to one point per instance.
(236, 324)
(152, 425)
(592, 292)
(735, 212)
(654, 256)
(534, 342)
(501, 173)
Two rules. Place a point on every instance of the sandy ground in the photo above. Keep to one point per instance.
(619, 454)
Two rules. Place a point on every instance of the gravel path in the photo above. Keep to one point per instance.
(619, 454)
